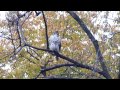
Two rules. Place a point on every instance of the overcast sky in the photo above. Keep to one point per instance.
(2, 15)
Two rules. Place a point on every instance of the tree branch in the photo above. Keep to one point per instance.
(94, 41)
(46, 30)
(80, 65)
(38, 48)
(75, 63)
(37, 12)
(68, 65)
(26, 17)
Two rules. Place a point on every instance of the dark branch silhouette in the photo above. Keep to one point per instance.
(68, 65)
(46, 34)
(22, 43)
(72, 61)
(37, 12)
(94, 41)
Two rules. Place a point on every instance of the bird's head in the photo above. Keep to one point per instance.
(56, 33)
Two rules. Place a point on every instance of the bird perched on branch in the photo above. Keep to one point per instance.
(55, 43)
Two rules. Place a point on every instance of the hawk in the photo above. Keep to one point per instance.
(55, 42)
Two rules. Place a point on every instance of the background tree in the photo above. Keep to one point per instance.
(90, 45)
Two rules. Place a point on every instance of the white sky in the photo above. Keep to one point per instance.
(2, 15)
(101, 19)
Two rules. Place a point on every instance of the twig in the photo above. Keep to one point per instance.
(46, 34)
(32, 55)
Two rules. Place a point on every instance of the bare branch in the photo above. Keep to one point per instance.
(46, 34)
(38, 48)
(35, 52)
(72, 61)
(94, 41)
(32, 55)
(80, 65)
(19, 29)
(26, 17)
(37, 12)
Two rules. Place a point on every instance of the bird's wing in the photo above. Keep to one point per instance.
(60, 46)
(59, 43)
(51, 39)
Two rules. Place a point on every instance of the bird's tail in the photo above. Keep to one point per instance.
(57, 58)
(56, 55)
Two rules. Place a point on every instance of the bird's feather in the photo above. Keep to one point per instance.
(55, 42)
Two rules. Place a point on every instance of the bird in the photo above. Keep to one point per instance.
(55, 43)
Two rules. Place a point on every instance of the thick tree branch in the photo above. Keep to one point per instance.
(80, 65)
(72, 61)
(94, 41)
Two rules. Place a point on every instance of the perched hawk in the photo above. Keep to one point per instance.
(55, 42)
